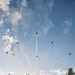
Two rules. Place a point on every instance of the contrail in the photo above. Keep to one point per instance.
(20, 63)
(58, 61)
(26, 58)
(36, 53)
(46, 54)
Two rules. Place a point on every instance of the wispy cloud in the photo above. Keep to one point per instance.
(25, 33)
(43, 12)
(15, 17)
(37, 16)
(1, 22)
(4, 5)
(51, 3)
(24, 3)
(67, 25)
(11, 15)
(47, 27)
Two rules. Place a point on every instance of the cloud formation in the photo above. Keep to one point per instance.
(67, 25)
(29, 16)
(59, 71)
(53, 72)
(15, 17)
(24, 3)
(47, 27)
(9, 43)
(6, 73)
(2, 73)
(4, 5)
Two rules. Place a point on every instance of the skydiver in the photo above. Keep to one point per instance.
(6, 52)
(69, 53)
(52, 42)
(36, 32)
(17, 43)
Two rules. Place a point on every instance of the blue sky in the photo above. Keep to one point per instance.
(53, 20)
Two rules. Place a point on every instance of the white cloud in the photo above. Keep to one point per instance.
(15, 17)
(47, 27)
(59, 71)
(2, 73)
(53, 72)
(1, 22)
(7, 31)
(4, 5)
(6, 73)
(9, 43)
(24, 3)
(74, 69)
(11, 72)
(40, 72)
(67, 25)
